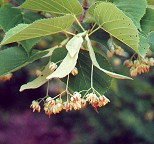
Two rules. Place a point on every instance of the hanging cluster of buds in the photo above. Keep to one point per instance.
(139, 66)
(6, 77)
(115, 49)
(118, 51)
(76, 102)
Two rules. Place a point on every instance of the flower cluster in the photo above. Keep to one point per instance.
(76, 102)
(97, 101)
(116, 50)
(139, 66)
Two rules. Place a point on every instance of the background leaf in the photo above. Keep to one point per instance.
(54, 6)
(116, 23)
(14, 58)
(151, 41)
(143, 45)
(38, 28)
(11, 17)
(147, 22)
(133, 9)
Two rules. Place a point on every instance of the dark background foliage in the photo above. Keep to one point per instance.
(129, 118)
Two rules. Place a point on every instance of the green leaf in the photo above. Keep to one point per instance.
(82, 81)
(39, 81)
(95, 63)
(66, 66)
(28, 44)
(12, 59)
(133, 9)
(74, 44)
(147, 22)
(117, 24)
(10, 17)
(38, 28)
(143, 45)
(92, 7)
(54, 6)
(151, 41)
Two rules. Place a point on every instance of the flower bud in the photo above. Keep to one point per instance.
(53, 66)
(35, 106)
(74, 72)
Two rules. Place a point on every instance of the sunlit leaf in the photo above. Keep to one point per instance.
(133, 9)
(38, 28)
(117, 24)
(54, 6)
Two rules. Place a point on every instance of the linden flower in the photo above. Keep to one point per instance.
(67, 106)
(76, 105)
(53, 66)
(76, 101)
(57, 108)
(103, 101)
(35, 106)
(50, 101)
(92, 98)
(74, 72)
(48, 109)
(83, 103)
(76, 97)
(139, 66)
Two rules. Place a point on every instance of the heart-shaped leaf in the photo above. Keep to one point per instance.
(117, 24)
(54, 6)
(38, 28)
